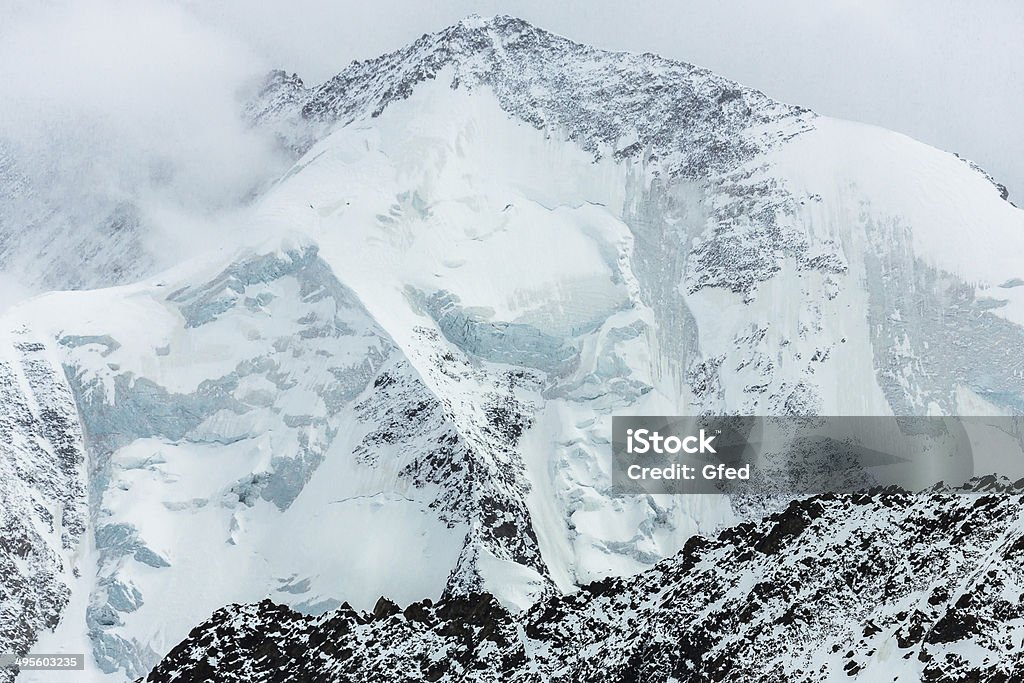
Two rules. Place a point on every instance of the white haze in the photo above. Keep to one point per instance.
(131, 101)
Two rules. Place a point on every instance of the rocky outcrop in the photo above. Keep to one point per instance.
(920, 587)
(42, 494)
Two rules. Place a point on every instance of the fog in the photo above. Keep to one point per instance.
(139, 100)
(108, 101)
(135, 83)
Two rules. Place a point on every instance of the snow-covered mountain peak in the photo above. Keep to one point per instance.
(476, 21)
(490, 242)
(687, 120)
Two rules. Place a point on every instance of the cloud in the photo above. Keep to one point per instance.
(114, 101)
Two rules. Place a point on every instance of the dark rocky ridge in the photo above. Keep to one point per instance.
(929, 585)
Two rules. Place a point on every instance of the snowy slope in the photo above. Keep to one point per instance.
(258, 412)
(493, 240)
(210, 421)
(880, 586)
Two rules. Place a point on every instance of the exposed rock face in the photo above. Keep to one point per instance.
(42, 493)
(912, 587)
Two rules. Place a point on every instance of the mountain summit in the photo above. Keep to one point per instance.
(689, 120)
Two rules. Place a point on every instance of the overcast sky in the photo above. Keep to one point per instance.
(948, 73)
